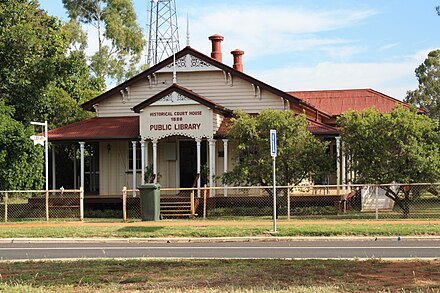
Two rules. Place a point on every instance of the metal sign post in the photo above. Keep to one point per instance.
(273, 153)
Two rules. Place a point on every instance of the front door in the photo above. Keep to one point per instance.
(188, 163)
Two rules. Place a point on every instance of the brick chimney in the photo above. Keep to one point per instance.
(216, 47)
(238, 59)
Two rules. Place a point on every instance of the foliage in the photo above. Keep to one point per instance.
(21, 163)
(31, 45)
(36, 58)
(300, 154)
(427, 95)
(150, 176)
(66, 110)
(401, 146)
(120, 39)
(44, 76)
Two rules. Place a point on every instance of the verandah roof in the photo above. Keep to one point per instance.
(314, 127)
(98, 129)
(125, 128)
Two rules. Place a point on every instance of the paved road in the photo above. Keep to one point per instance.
(390, 248)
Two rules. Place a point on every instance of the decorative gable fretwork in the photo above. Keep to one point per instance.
(152, 80)
(228, 78)
(257, 91)
(174, 98)
(125, 94)
(189, 63)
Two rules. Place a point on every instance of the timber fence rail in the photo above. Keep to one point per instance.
(41, 205)
(131, 206)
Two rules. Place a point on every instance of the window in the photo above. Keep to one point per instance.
(130, 157)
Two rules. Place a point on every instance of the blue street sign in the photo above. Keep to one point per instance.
(273, 143)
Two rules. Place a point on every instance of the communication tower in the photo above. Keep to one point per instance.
(163, 38)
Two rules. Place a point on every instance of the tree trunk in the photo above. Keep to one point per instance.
(406, 203)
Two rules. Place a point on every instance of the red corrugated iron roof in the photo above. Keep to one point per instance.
(318, 128)
(120, 128)
(336, 102)
(314, 127)
(103, 128)
(224, 127)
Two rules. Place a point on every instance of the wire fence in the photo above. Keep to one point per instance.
(40, 205)
(307, 201)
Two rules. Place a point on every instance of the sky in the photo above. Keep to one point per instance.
(297, 45)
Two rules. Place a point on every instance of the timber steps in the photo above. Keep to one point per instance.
(175, 207)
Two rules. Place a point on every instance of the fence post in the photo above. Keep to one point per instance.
(124, 204)
(288, 202)
(205, 191)
(377, 202)
(47, 205)
(193, 212)
(6, 207)
(81, 204)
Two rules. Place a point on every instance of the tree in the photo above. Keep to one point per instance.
(21, 163)
(427, 95)
(120, 39)
(300, 154)
(30, 47)
(36, 56)
(401, 147)
(42, 77)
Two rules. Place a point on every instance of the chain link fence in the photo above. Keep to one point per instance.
(41, 205)
(131, 204)
(416, 201)
(307, 201)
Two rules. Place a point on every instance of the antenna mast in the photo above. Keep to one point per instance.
(163, 40)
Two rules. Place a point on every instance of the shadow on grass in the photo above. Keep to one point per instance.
(140, 229)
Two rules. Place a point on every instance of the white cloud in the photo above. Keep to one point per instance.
(264, 31)
(393, 79)
(267, 30)
(387, 47)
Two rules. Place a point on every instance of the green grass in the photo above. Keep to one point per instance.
(201, 230)
(220, 276)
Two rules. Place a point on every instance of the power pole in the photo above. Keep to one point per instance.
(163, 38)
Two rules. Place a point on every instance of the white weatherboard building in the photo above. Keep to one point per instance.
(174, 118)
